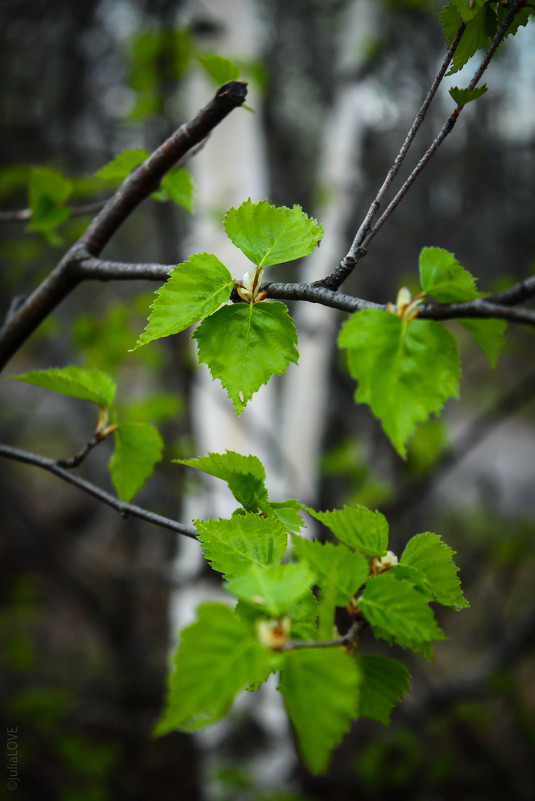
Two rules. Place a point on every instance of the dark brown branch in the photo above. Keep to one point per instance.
(137, 186)
(146, 178)
(515, 294)
(78, 458)
(124, 509)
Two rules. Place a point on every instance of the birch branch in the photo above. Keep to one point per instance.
(124, 509)
(138, 185)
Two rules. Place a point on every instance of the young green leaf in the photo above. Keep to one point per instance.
(231, 546)
(406, 370)
(218, 656)
(468, 9)
(434, 561)
(222, 70)
(245, 344)
(464, 96)
(384, 682)
(287, 512)
(320, 691)
(178, 185)
(123, 164)
(226, 465)
(194, 289)
(398, 612)
(489, 335)
(272, 234)
(76, 382)
(245, 475)
(138, 446)
(276, 588)
(48, 191)
(333, 565)
(442, 277)
(357, 527)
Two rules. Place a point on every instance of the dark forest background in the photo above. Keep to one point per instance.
(84, 615)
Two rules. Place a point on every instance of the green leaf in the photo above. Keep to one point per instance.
(477, 35)
(122, 165)
(91, 385)
(48, 191)
(489, 335)
(270, 234)
(384, 682)
(226, 465)
(357, 527)
(450, 19)
(218, 656)
(138, 446)
(245, 475)
(398, 612)
(464, 96)
(303, 618)
(222, 70)
(287, 512)
(442, 276)
(178, 185)
(245, 344)
(406, 370)
(320, 691)
(333, 565)
(276, 588)
(231, 546)
(468, 9)
(437, 572)
(194, 289)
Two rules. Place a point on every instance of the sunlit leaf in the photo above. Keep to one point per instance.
(90, 385)
(138, 446)
(272, 234)
(245, 344)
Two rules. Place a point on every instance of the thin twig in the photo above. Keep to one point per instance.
(124, 509)
(446, 128)
(479, 308)
(347, 640)
(78, 458)
(357, 250)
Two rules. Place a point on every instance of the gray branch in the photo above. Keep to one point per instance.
(124, 509)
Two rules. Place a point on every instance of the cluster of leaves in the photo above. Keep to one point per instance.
(243, 344)
(283, 620)
(407, 368)
(138, 446)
